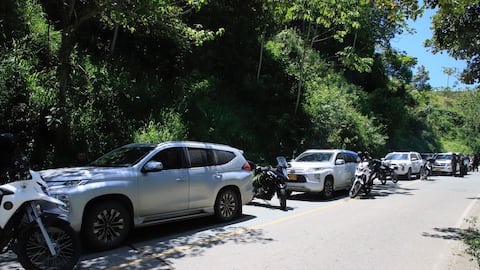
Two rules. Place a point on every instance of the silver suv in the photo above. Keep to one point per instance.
(145, 184)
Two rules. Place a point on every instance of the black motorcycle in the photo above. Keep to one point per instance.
(387, 171)
(268, 181)
(427, 170)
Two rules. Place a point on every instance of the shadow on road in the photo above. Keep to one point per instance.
(152, 247)
(445, 233)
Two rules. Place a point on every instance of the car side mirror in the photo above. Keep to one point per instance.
(153, 166)
(339, 162)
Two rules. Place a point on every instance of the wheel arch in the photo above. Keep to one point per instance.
(122, 199)
(330, 177)
(235, 188)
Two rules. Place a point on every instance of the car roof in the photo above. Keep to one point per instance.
(328, 151)
(184, 143)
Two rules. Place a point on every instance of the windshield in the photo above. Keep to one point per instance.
(444, 156)
(314, 157)
(395, 156)
(122, 157)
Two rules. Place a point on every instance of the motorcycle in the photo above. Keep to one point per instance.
(387, 170)
(427, 170)
(32, 226)
(268, 181)
(365, 173)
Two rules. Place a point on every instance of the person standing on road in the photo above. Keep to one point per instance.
(475, 163)
(454, 164)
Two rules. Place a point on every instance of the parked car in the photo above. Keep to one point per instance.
(322, 171)
(145, 184)
(408, 163)
(443, 164)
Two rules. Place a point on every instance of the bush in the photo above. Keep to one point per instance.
(471, 237)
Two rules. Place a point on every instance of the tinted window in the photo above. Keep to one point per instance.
(350, 158)
(340, 156)
(223, 157)
(200, 157)
(171, 158)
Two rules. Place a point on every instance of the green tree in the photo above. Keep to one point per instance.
(421, 78)
(457, 31)
(161, 18)
(449, 72)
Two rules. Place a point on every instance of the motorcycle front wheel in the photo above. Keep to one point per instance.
(356, 187)
(383, 178)
(394, 177)
(33, 252)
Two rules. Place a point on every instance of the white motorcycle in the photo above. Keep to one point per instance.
(365, 173)
(41, 239)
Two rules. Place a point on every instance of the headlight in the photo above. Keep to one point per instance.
(68, 183)
(65, 199)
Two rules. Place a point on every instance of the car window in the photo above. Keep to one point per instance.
(200, 157)
(223, 157)
(340, 156)
(122, 157)
(444, 156)
(350, 158)
(314, 157)
(171, 158)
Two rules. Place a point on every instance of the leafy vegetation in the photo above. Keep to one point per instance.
(471, 237)
(78, 78)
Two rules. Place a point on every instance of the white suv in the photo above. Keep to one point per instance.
(145, 184)
(322, 171)
(408, 163)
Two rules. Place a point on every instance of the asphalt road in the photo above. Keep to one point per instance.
(408, 225)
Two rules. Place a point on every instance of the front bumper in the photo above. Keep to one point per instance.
(305, 183)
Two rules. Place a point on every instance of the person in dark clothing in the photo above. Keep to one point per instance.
(475, 163)
(454, 164)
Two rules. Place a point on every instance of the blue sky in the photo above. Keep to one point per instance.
(434, 63)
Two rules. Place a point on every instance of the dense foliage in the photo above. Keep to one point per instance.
(272, 77)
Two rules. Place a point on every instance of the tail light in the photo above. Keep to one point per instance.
(247, 167)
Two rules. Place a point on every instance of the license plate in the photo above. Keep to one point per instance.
(292, 177)
(437, 169)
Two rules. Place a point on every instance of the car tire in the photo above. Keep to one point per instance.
(106, 225)
(227, 205)
(327, 192)
(409, 174)
(283, 199)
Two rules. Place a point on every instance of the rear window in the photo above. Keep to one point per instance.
(223, 157)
